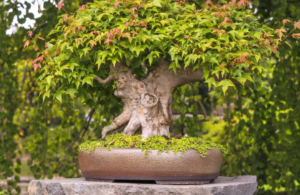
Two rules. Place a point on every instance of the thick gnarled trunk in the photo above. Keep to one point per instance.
(147, 102)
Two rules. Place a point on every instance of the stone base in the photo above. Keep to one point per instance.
(241, 185)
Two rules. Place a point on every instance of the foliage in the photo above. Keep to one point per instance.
(162, 144)
(226, 41)
(20, 111)
(262, 131)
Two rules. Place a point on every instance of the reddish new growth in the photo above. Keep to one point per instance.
(242, 58)
(60, 5)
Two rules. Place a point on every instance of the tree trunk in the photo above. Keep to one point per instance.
(147, 102)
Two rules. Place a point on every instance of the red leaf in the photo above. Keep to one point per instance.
(134, 33)
(66, 17)
(279, 32)
(208, 3)
(186, 36)
(244, 3)
(116, 4)
(26, 44)
(127, 24)
(133, 9)
(60, 5)
(140, 5)
(81, 28)
(297, 25)
(93, 43)
(40, 59)
(285, 21)
(66, 33)
(143, 24)
(36, 66)
(30, 33)
(126, 35)
(107, 41)
(296, 35)
(82, 7)
(41, 38)
(219, 31)
(266, 35)
(274, 49)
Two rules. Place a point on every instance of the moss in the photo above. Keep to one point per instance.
(162, 144)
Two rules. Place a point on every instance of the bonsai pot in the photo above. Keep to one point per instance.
(163, 168)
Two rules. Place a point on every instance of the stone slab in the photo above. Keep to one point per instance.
(241, 185)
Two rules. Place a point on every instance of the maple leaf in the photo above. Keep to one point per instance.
(143, 24)
(127, 24)
(66, 17)
(297, 25)
(296, 35)
(41, 38)
(40, 59)
(81, 28)
(243, 58)
(285, 21)
(116, 4)
(244, 3)
(279, 32)
(140, 5)
(219, 31)
(266, 35)
(107, 41)
(208, 3)
(66, 33)
(30, 33)
(82, 7)
(275, 49)
(133, 9)
(134, 33)
(60, 5)
(90, 34)
(226, 21)
(36, 66)
(93, 43)
(126, 35)
(26, 44)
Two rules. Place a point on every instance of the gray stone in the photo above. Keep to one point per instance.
(241, 185)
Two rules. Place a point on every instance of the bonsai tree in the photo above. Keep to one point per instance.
(145, 49)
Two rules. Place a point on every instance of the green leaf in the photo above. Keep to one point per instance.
(157, 3)
(211, 81)
(58, 95)
(225, 84)
(71, 92)
(89, 79)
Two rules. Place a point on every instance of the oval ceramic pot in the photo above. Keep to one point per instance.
(164, 168)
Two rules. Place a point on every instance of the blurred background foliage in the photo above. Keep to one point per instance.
(260, 126)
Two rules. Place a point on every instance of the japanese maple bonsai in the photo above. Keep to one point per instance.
(149, 48)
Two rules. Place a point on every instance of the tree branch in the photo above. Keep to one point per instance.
(104, 81)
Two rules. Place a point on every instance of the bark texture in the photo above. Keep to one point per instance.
(147, 102)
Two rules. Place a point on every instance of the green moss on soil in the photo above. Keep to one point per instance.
(162, 144)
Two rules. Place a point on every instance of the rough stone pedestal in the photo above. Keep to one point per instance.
(241, 185)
